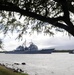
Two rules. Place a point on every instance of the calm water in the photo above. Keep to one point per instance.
(42, 64)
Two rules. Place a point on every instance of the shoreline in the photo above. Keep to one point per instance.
(4, 70)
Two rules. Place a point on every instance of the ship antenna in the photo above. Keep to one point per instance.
(24, 44)
(31, 41)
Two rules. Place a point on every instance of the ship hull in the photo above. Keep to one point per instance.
(45, 51)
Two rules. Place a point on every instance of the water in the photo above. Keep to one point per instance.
(42, 64)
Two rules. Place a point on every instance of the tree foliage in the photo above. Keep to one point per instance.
(39, 15)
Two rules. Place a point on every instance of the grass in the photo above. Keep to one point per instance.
(6, 71)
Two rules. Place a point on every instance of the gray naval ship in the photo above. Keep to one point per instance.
(32, 49)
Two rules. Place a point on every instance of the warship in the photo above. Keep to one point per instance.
(32, 49)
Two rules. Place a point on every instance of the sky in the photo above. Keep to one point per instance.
(59, 41)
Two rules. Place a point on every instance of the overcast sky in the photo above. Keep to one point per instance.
(58, 41)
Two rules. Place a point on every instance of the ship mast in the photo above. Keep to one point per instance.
(24, 44)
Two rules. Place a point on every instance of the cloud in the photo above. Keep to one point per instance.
(61, 42)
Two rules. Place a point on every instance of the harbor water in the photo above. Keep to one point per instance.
(42, 64)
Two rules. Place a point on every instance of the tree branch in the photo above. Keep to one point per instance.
(30, 14)
(71, 7)
(53, 21)
(65, 8)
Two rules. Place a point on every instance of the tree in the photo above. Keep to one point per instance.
(58, 13)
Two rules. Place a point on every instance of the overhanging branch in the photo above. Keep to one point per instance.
(53, 21)
(30, 14)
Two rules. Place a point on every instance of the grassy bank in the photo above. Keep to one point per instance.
(6, 71)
